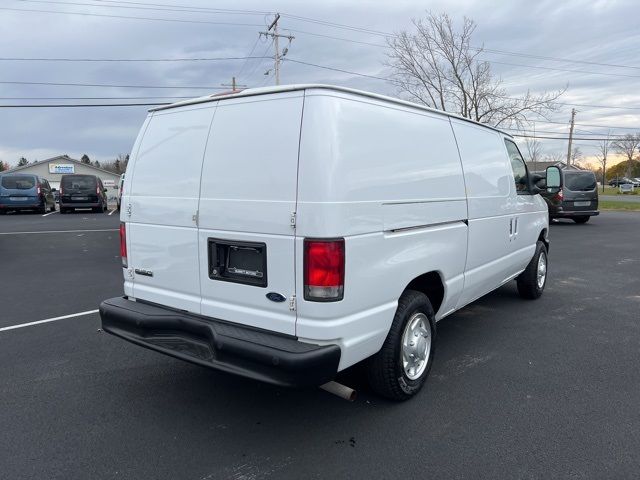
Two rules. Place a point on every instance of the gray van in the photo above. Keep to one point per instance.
(577, 199)
(19, 191)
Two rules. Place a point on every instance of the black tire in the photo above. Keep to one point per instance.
(528, 286)
(63, 210)
(583, 219)
(385, 370)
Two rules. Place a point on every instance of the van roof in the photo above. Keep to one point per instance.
(290, 88)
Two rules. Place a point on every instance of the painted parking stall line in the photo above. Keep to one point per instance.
(50, 213)
(48, 320)
(60, 231)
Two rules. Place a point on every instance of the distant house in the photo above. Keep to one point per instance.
(541, 166)
(53, 168)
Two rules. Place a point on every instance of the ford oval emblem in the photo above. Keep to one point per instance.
(276, 297)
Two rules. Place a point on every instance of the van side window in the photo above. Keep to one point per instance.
(519, 168)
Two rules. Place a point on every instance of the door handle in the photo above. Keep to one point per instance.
(515, 228)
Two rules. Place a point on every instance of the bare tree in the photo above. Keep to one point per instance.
(627, 146)
(576, 155)
(602, 156)
(555, 157)
(438, 67)
(534, 150)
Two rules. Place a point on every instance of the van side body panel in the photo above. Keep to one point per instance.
(389, 180)
(489, 184)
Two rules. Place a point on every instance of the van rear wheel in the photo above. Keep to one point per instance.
(399, 370)
(532, 281)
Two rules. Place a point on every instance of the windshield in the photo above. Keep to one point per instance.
(18, 182)
(79, 183)
(580, 181)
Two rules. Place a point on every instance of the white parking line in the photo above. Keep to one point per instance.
(114, 210)
(50, 213)
(60, 231)
(47, 320)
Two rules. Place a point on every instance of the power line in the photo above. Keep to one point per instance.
(91, 98)
(564, 69)
(353, 28)
(134, 18)
(202, 9)
(338, 70)
(59, 59)
(110, 85)
(257, 64)
(244, 64)
(86, 105)
(170, 8)
(561, 138)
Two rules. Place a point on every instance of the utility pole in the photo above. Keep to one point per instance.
(276, 37)
(233, 85)
(573, 117)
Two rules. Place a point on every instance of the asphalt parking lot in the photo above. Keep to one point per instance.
(519, 389)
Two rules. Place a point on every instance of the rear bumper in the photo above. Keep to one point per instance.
(79, 205)
(269, 357)
(574, 213)
(21, 205)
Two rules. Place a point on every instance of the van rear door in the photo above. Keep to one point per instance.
(161, 207)
(248, 197)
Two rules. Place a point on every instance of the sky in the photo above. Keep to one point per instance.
(576, 39)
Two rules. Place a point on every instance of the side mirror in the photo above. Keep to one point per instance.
(554, 179)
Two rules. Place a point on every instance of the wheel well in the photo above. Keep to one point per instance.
(543, 238)
(431, 285)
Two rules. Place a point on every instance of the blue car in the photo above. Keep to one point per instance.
(25, 192)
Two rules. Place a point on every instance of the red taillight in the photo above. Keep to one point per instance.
(98, 190)
(560, 195)
(38, 189)
(323, 270)
(123, 243)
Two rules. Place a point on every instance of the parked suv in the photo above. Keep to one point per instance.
(288, 249)
(577, 199)
(82, 191)
(25, 192)
(616, 182)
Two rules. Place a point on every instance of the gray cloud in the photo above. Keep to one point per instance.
(595, 31)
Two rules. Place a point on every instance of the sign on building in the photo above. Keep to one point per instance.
(61, 168)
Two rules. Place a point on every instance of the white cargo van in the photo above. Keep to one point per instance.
(287, 233)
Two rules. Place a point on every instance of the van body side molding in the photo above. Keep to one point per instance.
(428, 225)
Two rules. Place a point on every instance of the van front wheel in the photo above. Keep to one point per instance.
(531, 282)
(399, 370)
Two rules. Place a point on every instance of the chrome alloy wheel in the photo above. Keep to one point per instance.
(416, 345)
(541, 274)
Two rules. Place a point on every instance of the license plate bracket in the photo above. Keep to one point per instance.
(581, 204)
(238, 262)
